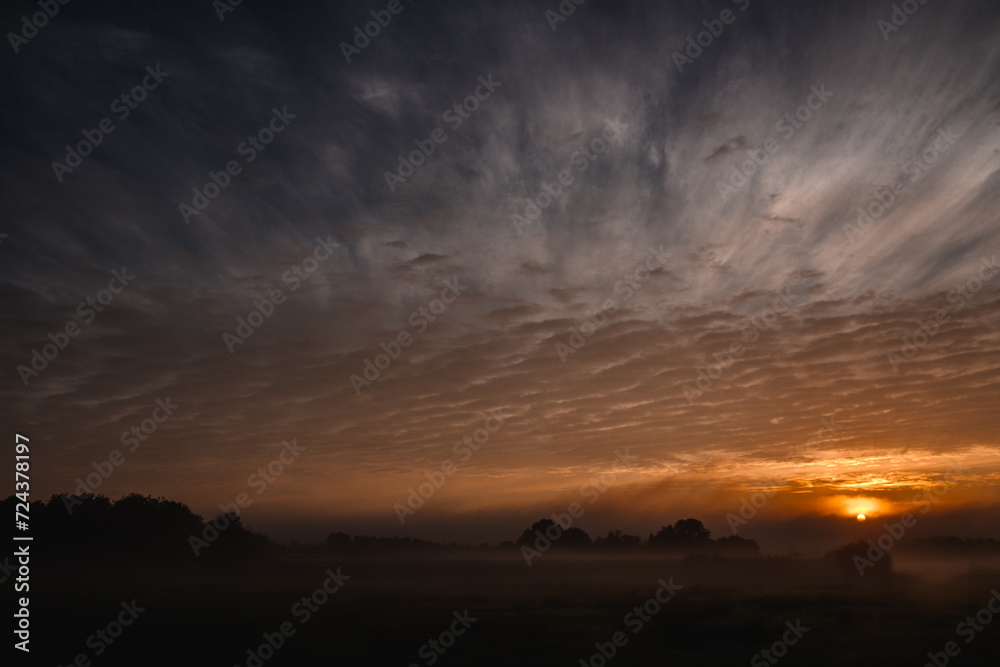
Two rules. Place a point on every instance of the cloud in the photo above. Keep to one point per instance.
(730, 146)
(494, 347)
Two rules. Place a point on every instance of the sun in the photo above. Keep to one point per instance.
(860, 508)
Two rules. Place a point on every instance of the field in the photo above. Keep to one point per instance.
(553, 613)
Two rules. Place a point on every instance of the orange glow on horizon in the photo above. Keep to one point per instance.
(861, 508)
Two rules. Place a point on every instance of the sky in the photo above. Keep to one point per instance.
(704, 249)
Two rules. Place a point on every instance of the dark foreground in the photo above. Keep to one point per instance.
(554, 613)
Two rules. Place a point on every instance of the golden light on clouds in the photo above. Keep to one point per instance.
(857, 471)
(860, 507)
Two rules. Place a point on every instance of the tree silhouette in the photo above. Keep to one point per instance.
(563, 538)
(618, 540)
(133, 528)
(684, 534)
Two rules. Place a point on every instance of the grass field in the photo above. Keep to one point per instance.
(550, 614)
